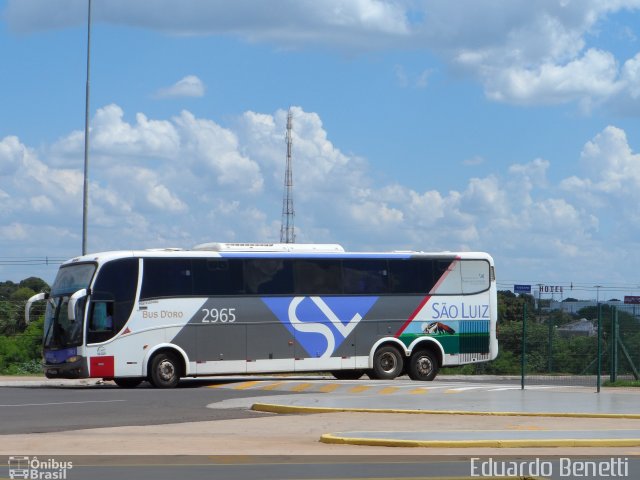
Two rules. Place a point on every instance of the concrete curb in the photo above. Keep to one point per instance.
(275, 408)
(492, 443)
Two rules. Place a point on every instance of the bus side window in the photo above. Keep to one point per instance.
(368, 276)
(476, 276)
(268, 276)
(217, 276)
(101, 317)
(317, 276)
(411, 276)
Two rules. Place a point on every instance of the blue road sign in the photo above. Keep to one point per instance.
(522, 289)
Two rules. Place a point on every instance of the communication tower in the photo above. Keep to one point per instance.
(287, 232)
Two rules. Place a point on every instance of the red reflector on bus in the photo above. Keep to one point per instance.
(101, 366)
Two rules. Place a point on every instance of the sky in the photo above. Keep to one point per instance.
(429, 125)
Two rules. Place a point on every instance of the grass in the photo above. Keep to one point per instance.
(622, 383)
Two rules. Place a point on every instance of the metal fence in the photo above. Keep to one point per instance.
(586, 352)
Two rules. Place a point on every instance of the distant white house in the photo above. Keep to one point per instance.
(579, 328)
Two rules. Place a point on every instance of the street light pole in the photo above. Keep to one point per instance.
(598, 293)
(85, 189)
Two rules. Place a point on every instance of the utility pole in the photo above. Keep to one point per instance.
(287, 231)
(85, 188)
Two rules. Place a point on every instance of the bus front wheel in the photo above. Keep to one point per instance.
(387, 363)
(423, 366)
(165, 370)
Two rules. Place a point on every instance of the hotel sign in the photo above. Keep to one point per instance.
(550, 289)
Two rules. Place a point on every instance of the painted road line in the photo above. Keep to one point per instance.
(59, 403)
(388, 390)
(300, 387)
(329, 387)
(273, 386)
(359, 389)
(419, 391)
(245, 385)
(438, 387)
(461, 389)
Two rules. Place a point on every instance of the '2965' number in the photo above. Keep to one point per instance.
(222, 315)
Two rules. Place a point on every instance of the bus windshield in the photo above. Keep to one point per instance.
(60, 332)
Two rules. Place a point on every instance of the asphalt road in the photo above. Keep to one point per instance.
(65, 409)
(54, 409)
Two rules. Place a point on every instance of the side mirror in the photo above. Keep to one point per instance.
(36, 298)
(71, 312)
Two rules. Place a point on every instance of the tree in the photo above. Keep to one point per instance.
(34, 283)
(20, 344)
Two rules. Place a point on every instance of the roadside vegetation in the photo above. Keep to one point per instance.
(622, 383)
(20, 344)
(552, 350)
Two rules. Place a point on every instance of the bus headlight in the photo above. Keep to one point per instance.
(73, 359)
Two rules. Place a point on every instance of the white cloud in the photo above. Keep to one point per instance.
(189, 86)
(209, 182)
(11, 155)
(523, 52)
(286, 22)
(592, 76)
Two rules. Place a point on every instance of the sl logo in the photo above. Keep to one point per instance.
(319, 324)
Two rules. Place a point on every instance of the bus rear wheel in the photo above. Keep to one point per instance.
(423, 366)
(128, 382)
(165, 370)
(387, 363)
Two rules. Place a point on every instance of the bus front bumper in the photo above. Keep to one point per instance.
(76, 369)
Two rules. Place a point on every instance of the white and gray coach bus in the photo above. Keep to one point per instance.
(220, 308)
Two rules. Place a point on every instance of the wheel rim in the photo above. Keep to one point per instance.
(424, 366)
(166, 370)
(388, 362)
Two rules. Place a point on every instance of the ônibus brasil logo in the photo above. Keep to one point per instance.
(22, 467)
(320, 324)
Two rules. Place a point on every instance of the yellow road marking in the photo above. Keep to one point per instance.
(300, 387)
(418, 391)
(245, 385)
(329, 387)
(388, 390)
(525, 427)
(359, 388)
(272, 386)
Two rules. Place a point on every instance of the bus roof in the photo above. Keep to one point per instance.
(239, 250)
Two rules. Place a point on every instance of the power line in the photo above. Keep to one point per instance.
(29, 261)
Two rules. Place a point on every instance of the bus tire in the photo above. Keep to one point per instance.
(128, 382)
(423, 366)
(165, 370)
(387, 363)
(347, 374)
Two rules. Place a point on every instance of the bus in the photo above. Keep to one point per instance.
(227, 308)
